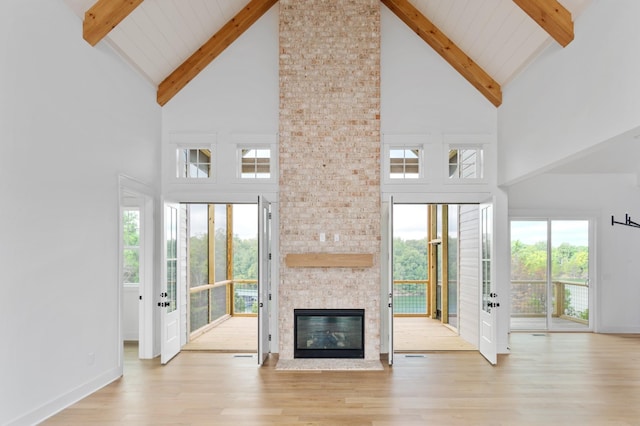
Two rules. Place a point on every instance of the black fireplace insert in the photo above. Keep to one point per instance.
(329, 333)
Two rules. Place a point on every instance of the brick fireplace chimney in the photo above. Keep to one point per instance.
(330, 158)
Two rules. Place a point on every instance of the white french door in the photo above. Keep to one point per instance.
(264, 278)
(169, 287)
(390, 281)
(488, 295)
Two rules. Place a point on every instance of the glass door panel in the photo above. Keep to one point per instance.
(570, 274)
(529, 275)
(452, 266)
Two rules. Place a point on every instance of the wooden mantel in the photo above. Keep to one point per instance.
(329, 260)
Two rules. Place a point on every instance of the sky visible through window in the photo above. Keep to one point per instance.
(245, 221)
(574, 232)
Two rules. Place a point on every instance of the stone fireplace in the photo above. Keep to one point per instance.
(329, 156)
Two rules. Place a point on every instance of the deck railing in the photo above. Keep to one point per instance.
(210, 302)
(570, 299)
(410, 297)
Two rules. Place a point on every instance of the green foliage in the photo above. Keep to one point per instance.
(245, 259)
(409, 259)
(198, 260)
(570, 262)
(131, 240)
(529, 263)
(238, 304)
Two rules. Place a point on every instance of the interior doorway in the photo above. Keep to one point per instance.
(136, 267)
(221, 277)
(425, 278)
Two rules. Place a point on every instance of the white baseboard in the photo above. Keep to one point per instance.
(619, 330)
(63, 401)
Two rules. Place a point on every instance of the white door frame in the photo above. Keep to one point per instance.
(129, 187)
(499, 270)
(235, 198)
(390, 281)
(264, 278)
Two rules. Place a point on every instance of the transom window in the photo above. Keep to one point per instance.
(465, 163)
(255, 163)
(194, 163)
(404, 162)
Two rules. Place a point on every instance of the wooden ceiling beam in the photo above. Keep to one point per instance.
(103, 16)
(447, 49)
(551, 16)
(202, 57)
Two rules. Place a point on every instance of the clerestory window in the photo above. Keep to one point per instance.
(465, 163)
(405, 162)
(255, 163)
(194, 163)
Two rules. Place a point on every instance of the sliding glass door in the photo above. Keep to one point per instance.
(550, 288)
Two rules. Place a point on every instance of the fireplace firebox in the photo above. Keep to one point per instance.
(329, 333)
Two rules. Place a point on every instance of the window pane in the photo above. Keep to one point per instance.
(255, 163)
(221, 242)
(465, 163)
(131, 246)
(131, 266)
(194, 163)
(198, 244)
(570, 271)
(404, 163)
(528, 275)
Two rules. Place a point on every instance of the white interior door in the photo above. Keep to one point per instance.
(390, 281)
(488, 304)
(170, 308)
(264, 278)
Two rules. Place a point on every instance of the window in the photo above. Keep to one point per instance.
(404, 162)
(255, 163)
(131, 246)
(194, 163)
(465, 163)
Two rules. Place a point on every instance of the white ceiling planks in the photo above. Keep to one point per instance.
(496, 34)
(159, 35)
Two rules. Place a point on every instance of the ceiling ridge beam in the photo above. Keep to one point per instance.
(435, 38)
(552, 16)
(103, 16)
(202, 57)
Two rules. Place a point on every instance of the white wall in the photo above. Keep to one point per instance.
(597, 196)
(235, 98)
(574, 98)
(72, 118)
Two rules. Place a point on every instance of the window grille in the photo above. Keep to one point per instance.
(194, 163)
(465, 163)
(404, 163)
(255, 163)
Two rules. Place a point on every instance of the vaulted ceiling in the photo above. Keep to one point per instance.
(487, 41)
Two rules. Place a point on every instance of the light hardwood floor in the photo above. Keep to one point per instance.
(549, 379)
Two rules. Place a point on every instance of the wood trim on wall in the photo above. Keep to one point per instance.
(329, 260)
